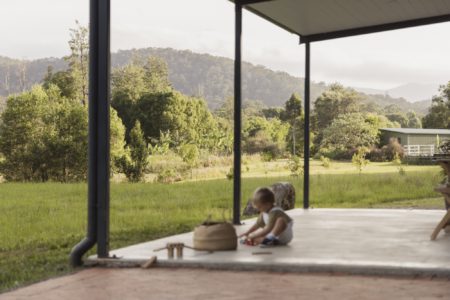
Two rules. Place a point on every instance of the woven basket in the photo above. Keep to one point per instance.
(215, 236)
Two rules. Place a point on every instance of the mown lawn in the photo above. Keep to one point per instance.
(40, 223)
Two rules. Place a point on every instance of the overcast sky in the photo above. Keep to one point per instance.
(39, 28)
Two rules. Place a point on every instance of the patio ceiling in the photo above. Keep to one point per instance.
(320, 20)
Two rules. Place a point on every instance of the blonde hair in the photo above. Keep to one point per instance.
(264, 195)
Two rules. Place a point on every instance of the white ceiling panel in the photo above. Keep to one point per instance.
(318, 19)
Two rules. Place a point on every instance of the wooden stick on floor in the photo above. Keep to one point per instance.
(149, 263)
(261, 253)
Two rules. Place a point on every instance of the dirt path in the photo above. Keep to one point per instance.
(203, 284)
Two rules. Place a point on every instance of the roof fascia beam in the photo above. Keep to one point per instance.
(248, 2)
(373, 29)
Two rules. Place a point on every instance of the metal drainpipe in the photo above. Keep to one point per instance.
(87, 243)
(99, 12)
(91, 239)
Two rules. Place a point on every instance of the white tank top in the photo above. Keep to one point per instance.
(266, 215)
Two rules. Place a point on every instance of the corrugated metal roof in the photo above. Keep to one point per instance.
(314, 18)
(418, 130)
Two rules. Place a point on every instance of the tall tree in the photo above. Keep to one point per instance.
(262, 135)
(65, 137)
(392, 109)
(413, 120)
(335, 101)
(129, 82)
(132, 83)
(349, 131)
(21, 135)
(78, 60)
(226, 109)
(73, 82)
(157, 75)
(22, 75)
(134, 164)
(399, 118)
(272, 112)
(187, 119)
(7, 80)
(43, 136)
(64, 81)
(293, 114)
(117, 141)
(439, 113)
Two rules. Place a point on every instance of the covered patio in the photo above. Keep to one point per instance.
(350, 241)
(357, 241)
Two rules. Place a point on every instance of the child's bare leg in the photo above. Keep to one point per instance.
(279, 227)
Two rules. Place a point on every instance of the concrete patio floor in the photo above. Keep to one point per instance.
(351, 241)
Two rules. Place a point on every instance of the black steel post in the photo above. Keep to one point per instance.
(98, 149)
(306, 128)
(237, 117)
(100, 40)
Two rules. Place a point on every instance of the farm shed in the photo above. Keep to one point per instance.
(416, 141)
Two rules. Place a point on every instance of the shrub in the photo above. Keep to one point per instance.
(325, 161)
(261, 143)
(392, 149)
(359, 158)
(206, 160)
(376, 155)
(230, 174)
(169, 175)
(295, 165)
(267, 156)
(190, 155)
(337, 154)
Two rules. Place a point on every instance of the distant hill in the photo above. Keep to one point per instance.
(194, 74)
(11, 71)
(212, 77)
(415, 91)
(420, 107)
(369, 91)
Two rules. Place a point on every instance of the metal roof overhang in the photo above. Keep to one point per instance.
(319, 20)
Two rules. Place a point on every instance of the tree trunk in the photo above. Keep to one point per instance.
(293, 139)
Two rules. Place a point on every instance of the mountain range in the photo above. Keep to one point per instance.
(413, 92)
(211, 77)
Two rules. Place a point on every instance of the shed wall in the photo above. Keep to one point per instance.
(413, 139)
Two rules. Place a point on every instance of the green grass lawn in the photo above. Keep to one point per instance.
(253, 167)
(40, 223)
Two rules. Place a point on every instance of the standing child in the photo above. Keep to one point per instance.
(275, 223)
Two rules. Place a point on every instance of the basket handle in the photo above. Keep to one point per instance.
(208, 220)
(223, 215)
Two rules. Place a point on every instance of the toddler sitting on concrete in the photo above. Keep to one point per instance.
(275, 224)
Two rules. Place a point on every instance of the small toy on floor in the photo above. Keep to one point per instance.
(247, 242)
